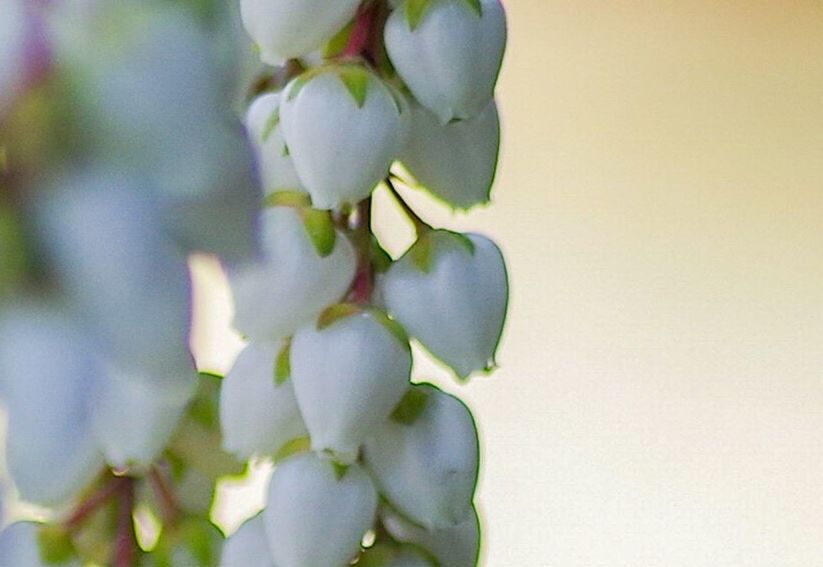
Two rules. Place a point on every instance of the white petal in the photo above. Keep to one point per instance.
(348, 378)
(133, 290)
(285, 29)
(457, 308)
(292, 284)
(341, 151)
(135, 417)
(257, 415)
(458, 546)
(248, 546)
(314, 519)
(48, 375)
(275, 165)
(450, 61)
(409, 558)
(427, 469)
(457, 162)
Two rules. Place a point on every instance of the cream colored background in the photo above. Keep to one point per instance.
(660, 401)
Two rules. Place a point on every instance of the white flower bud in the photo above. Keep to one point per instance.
(132, 288)
(19, 546)
(47, 377)
(317, 514)
(349, 374)
(458, 546)
(258, 410)
(344, 127)
(409, 558)
(286, 29)
(450, 292)
(248, 546)
(425, 458)
(458, 161)
(292, 283)
(134, 416)
(277, 171)
(449, 54)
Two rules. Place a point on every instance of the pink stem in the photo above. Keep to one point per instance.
(125, 543)
(360, 37)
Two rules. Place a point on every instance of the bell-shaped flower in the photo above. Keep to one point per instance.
(106, 237)
(350, 369)
(344, 127)
(287, 29)
(248, 546)
(424, 459)
(154, 103)
(134, 417)
(450, 292)
(306, 266)
(48, 374)
(456, 162)
(448, 52)
(318, 512)
(274, 163)
(258, 409)
(457, 546)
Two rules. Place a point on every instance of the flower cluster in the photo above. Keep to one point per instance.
(370, 465)
(120, 157)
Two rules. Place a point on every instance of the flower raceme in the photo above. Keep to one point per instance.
(371, 466)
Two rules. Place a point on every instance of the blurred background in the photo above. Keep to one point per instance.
(660, 200)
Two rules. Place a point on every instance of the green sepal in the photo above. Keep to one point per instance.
(340, 470)
(338, 43)
(335, 313)
(356, 79)
(415, 10)
(476, 6)
(421, 252)
(55, 543)
(295, 199)
(464, 240)
(203, 407)
(291, 448)
(271, 123)
(411, 406)
(320, 228)
(392, 326)
(282, 364)
(380, 259)
(378, 556)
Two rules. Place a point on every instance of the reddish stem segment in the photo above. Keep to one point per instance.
(171, 510)
(364, 278)
(361, 36)
(125, 543)
(91, 504)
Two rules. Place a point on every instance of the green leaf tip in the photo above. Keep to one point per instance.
(392, 326)
(337, 45)
(282, 364)
(271, 123)
(291, 448)
(285, 198)
(320, 229)
(335, 313)
(340, 470)
(476, 6)
(415, 10)
(421, 253)
(411, 406)
(356, 79)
